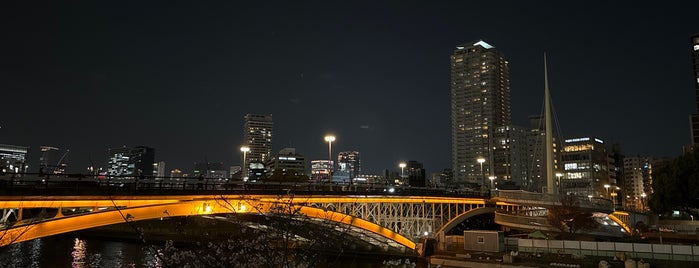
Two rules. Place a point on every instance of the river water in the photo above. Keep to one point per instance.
(80, 252)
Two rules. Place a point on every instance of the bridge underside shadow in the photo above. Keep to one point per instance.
(457, 221)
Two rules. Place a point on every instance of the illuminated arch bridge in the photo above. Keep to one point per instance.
(398, 220)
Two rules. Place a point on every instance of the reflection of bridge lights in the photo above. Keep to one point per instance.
(78, 253)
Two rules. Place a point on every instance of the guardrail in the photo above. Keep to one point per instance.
(542, 199)
(611, 249)
(107, 185)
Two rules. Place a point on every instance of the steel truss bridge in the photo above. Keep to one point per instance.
(399, 220)
(385, 216)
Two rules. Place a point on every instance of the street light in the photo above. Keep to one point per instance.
(402, 166)
(558, 176)
(330, 139)
(481, 160)
(492, 182)
(606, 186)
(643, 201)
(245, 151)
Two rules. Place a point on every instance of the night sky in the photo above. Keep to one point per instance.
(180, 76)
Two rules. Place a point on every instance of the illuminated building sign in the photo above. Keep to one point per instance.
(578, 148)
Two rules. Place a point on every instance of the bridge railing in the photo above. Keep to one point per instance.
(11, 184)
(510, 218)
(524, 197)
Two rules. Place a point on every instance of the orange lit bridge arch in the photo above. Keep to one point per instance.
(399, 219)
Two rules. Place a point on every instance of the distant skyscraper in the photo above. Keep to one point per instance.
(52, 160)
(480, 102)
(416, 174)
(126, 161)
(257, 136)
(348, 165)
(694, 119)
(13, 159)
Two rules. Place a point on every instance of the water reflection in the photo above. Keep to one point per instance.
(78, 254)
(63, 251)
(69, 251)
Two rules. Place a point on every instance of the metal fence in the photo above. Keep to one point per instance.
(610, 249)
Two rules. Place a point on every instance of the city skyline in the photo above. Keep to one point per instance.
(89, 77)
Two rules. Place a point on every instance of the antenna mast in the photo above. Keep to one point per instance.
(550, 189)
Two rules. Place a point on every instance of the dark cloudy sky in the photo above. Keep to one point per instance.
(180, 76)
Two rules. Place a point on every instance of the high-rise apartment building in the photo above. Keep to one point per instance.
(127, 161)
(257, 135)
(536, 151)
(638, 172)
(510, 158)
(694, 119)
(480, 102)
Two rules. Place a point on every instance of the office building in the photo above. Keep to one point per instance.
(348, 165)
(320, 170)
(13, 158)
(480, 102)
(257, 136)
(176, 173)
(287, 164)
(130, 161)
(213, 170)
(415, 173)
(369, 179)
(586, 168)
(159, 170)
(234, 172)
(694, 118)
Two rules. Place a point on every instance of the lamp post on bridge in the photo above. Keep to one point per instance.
(330, 139)
(245, 151)
(558, 176)
(481, 160)
(402, 166)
